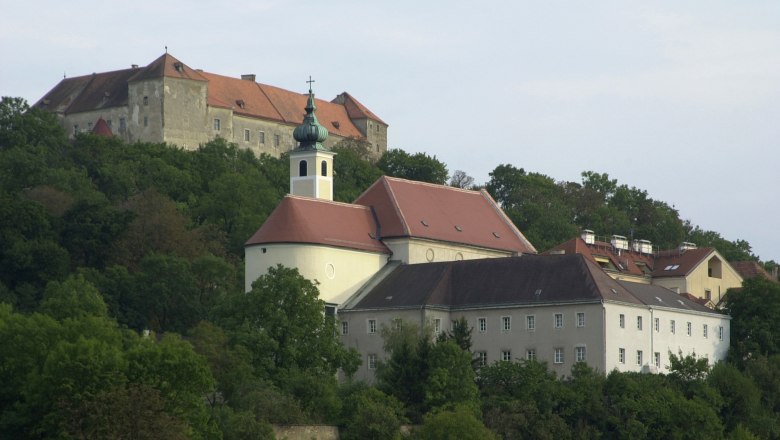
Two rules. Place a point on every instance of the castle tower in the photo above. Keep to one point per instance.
(311, 164)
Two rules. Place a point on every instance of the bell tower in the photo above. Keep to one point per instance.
(311, 164)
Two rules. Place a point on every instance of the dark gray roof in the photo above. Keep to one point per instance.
(658, 296)
(528, 279)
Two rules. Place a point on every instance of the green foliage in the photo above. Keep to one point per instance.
(459, 423)
(370, 413)
(755, 330)
(418, 166)
(73, 298)
(351, 175)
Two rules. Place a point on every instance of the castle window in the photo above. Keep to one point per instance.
(246, 135)
(302, 169)
(558, 357)
(579, 354)
(146, 100)
(277, 141)
(261, 137)
(324, 168)
(481, 358)
(217, 124)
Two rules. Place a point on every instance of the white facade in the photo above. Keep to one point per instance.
(338, 272)
(411, 250)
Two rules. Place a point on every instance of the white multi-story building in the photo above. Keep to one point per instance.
(431, 254)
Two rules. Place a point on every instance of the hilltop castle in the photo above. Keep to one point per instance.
(167, 101)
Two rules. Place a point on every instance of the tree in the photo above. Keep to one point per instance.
(418, 166)
(73, 298)
(458, 423)
(351, 175)
(370, 413)
(460, 179)
(755, 331)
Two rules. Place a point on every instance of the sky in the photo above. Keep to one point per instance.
(678, 98)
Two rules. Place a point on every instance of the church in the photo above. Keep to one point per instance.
(407, 251)
(168, 101)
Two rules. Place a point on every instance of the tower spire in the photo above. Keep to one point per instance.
(310, 134)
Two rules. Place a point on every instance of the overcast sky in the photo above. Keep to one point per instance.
(679, 98)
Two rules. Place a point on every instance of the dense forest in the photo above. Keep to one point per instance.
(122, 311)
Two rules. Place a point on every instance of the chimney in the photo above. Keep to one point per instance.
(684, 246)
(248, 77)
(588, 236)
(134, 66)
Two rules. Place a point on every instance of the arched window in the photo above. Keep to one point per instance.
(324, 168)
(302, 168)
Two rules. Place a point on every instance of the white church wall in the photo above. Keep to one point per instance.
(339, 272)
(415, 250)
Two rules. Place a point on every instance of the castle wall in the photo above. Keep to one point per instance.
(86, 121)
(184, 113)
(145, 122)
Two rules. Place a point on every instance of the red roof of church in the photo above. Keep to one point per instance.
(750, 269)
(307, 220)
(407, 208)
(355, 109)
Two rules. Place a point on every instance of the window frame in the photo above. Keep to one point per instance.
(530, 323)
(247, 135)
(482, 325)
(506, 355)
(622, 356)
(506, 323)
(344, 328)
(481, 358)
(558, 320)
(580, 319)
(558, 356)
(217, 124)
(580, 353)
(371, 326)
(371, 363)
(622, 320)
(639, 323)
(639, 357)
(530, 354)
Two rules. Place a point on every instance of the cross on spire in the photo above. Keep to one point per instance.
(310, 81)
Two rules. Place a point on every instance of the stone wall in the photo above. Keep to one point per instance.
(306, 432)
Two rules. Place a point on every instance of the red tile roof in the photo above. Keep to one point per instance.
(315, 221)
(355, 109)
(245, 97)
(407, 208)
(685, 261)
(628, 261)
(750, 269)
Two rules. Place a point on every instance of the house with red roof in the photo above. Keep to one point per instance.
(168, 101)
(414, 253)
(700, 274)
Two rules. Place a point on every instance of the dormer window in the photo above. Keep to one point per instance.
(241, 103)
(178, 66)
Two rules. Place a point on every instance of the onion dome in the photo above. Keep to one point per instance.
(310, 133)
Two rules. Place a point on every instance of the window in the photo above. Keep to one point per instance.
(690, 329)
(482, 325)
(506, 355)
(261, 137)
(657, 324)
(481, 358)
(705, 331)
(146, 100)
(397, 323)
(108, 122)
(622, 355)
(639, 357)
(324, 168)
(437, 326)
(639, 323)
(277, 141)
(344, 327)
(372, 362)
(75, 129)
(217, 125)
(506, 323)
(622, 321)
(579, 354)
(672, 326)
(372, 326)
(580, 319)
(558, 356)
(89, 126)
(720, 332)
(708, 294)
(657, 359)
(530, 322)
(558, 320)
(146, 121)
(246, 135)
(530, 354)
(122, 124)
(303, 169)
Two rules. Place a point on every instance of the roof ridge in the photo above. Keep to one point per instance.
(507, 220)
(396, 205)
(330, 202)
(270, 101)
(437, 185)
